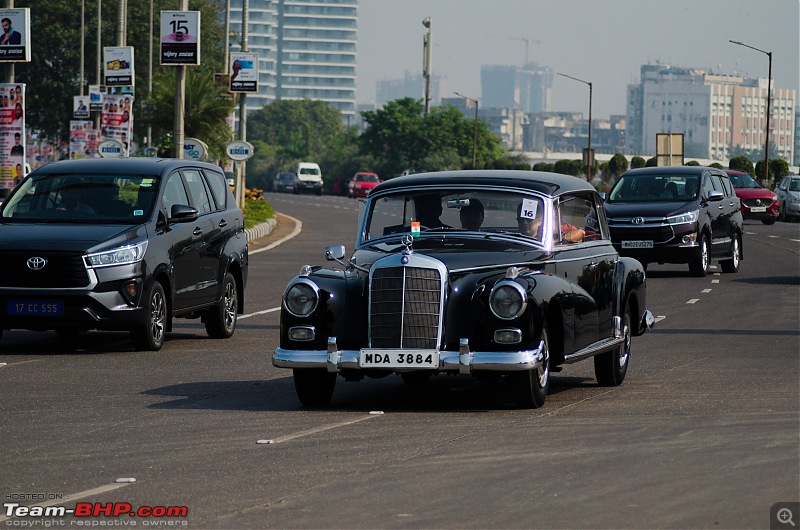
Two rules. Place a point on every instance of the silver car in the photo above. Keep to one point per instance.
(788, 193)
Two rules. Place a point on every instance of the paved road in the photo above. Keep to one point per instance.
(705, 431)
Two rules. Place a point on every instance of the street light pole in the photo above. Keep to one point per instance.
(769, 98)
(426, 63)
(589, 157)
(475, 137)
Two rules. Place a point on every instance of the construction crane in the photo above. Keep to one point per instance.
(527, 42)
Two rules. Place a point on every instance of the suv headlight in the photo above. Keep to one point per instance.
(118, 256)
(301, 298)
(688, 217)
(508, 300)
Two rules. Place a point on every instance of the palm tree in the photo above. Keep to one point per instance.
(207, 108)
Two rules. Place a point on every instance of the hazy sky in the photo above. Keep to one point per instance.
(601, 41)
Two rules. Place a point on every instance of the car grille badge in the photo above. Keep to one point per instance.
(36, 263)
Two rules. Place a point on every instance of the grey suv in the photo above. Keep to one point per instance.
(122, 245)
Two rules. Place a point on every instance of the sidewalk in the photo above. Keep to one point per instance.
(269, 232)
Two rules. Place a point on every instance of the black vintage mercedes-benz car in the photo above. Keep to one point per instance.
(488, 273)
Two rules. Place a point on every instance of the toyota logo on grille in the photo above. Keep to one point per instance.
(36, 263)
(637, 220)
(758, 202)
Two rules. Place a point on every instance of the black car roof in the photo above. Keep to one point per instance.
(541, 181)
(133, 165)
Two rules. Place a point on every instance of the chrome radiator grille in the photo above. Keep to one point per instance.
(404, 308)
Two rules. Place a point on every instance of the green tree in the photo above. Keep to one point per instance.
(205, 111)
(637, 162)
(716, 165)
(692, 163)
(543, 166)
(617, 166)
(399, 136)
(742, 163)
(303, 128)
(651, 162)
(53, 74)
(778, 168)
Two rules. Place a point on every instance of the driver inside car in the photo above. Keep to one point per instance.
(428, 209)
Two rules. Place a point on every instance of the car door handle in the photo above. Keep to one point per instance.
(223, 223)
(593, 264)
(198, 231)
(719, 207)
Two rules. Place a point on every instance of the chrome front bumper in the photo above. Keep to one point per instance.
(463, 361)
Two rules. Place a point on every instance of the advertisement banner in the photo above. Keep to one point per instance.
(15, 41)
(180, 37)
(116, 120)
(12, 134)
(244, 72)
(118, 63)
(78, 136)
(79, 107)
(96, 98)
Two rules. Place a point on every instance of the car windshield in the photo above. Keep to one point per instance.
(460, 212)
(82, 198)
(743, 181)
(367, 178)
(654, 188)
(286, 177)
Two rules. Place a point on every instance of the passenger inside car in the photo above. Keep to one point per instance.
(472, 215)
(72, 200)
(670, 191)
(690, 188)
(529, 221)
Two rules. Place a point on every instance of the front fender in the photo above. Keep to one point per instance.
(630, 284)
(339, 312)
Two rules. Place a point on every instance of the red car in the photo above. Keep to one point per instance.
(757, 201)
(362, 183)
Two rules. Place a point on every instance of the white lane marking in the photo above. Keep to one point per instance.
(693, 301)
(319, 429)
(774, 237)
(298, 227)
(795, 240)
(659, 318)
(76, 496)
(714, 281)
(22, 362)
(705, 291)
(751, 233)
(271, 310)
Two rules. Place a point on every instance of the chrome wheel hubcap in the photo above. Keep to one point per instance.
(157, 313)
(230, 305)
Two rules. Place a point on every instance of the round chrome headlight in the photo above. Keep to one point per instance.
(301, 298)
(507, 300)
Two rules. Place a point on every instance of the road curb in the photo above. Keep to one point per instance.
(261, 230)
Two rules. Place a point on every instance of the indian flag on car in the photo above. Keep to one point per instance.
(414, 228)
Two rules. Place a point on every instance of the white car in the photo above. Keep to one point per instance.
(788, 193)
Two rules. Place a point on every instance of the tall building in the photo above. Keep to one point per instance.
(716, 113)
(307, 50)
(528, 89)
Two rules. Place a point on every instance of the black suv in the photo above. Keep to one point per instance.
(124, 244)
(684, 214)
